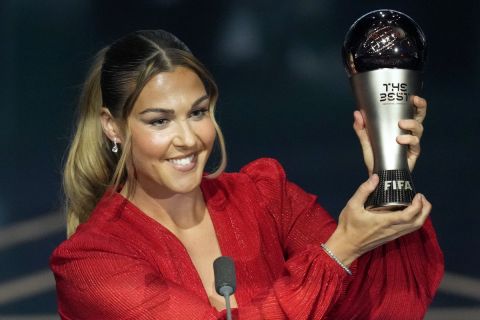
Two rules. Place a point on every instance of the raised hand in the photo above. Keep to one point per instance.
(360, 230)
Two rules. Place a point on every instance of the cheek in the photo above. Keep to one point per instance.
(148, 144)
(206, 132)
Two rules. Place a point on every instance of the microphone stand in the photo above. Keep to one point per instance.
(227, 291)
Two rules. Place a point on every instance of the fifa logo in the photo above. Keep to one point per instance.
(397, 185)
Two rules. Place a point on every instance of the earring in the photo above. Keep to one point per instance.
(115, 146)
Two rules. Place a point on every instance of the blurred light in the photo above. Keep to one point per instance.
(240, 39)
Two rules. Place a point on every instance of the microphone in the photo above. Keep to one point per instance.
(225, 280)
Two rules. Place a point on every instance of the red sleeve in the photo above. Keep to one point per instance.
(313, 283)
(395, 281)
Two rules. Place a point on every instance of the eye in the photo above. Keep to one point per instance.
(199, 113)
(159, 122)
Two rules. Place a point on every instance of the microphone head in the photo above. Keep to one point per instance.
(224, 270)
(384, 39)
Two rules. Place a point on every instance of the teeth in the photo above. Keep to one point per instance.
(182, 161)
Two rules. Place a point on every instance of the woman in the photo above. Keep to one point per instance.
(145, 223)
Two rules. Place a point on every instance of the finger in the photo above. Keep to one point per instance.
(359, 127)
(358, 123)
(420, 108)
(426, 209)
(408, 214)
(420, 102)
(360, 196)
(361, 132)
(415, 127)
(413, 143)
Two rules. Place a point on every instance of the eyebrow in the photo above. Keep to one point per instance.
(170, 111)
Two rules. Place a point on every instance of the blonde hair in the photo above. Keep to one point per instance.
(115, 81)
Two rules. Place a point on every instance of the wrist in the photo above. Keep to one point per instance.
(334, 258)
(343, 249)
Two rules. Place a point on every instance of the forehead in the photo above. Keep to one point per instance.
(181, 86)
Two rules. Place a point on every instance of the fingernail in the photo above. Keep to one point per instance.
(419, 196)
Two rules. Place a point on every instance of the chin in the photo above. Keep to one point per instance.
(184, 183)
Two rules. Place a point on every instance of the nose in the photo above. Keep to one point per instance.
(185, 136)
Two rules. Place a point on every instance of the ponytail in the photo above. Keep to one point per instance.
(89, 166)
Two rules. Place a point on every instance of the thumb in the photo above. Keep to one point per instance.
(360, 196)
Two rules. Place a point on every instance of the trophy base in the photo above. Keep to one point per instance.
(395, 191)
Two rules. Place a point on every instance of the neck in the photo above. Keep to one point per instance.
(175, 211)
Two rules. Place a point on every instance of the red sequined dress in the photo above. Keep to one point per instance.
(121, 264)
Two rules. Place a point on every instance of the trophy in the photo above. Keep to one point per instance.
(384, 54)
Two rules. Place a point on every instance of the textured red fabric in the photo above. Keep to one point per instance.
(121, 264)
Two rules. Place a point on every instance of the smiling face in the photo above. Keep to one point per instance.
(172, 133)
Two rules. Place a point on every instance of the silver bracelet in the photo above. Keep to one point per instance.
(330, 253)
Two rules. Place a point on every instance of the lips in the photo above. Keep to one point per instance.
(185, 163)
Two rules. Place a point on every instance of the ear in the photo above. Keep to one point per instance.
(109, 125)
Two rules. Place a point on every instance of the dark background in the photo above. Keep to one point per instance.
(283, 94)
